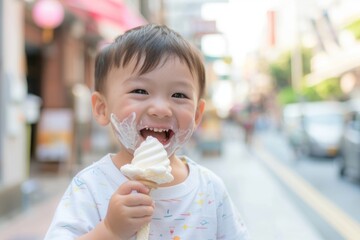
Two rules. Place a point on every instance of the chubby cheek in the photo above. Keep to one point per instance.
(125, 109)
(185, 119)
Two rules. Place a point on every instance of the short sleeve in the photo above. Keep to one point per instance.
(76, 213)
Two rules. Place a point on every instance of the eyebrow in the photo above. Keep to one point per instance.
(185, 84)
(135, 77)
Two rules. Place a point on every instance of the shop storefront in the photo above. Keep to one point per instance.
(56, 65)
(42, 69)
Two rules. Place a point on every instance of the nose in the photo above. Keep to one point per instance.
(160, 107)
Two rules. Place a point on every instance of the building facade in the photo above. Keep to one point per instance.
(48, 70)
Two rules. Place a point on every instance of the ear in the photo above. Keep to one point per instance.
(199, 111)
(99, 108)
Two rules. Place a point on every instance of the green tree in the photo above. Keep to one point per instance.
(280, 69)
(354, 28)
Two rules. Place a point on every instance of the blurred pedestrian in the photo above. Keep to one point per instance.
(250, 115)
(149, 82)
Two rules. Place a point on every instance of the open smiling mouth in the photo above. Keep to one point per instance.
(163, 135)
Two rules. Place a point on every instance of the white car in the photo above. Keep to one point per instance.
(350, 147)
(315, 128)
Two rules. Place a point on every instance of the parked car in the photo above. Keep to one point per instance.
(350, 146)
(315, 128)
(291, 125)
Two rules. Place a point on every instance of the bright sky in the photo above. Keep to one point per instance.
(242, 22)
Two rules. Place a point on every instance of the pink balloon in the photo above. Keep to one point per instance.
(48, 13)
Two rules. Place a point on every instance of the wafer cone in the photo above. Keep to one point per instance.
(150, 184)
(143, 233)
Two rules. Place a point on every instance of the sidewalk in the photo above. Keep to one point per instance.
(266, 208)
(33, 222)
(30, 224)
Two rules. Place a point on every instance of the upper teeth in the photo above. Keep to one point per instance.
(157, 129)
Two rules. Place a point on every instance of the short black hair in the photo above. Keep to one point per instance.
(151, 43)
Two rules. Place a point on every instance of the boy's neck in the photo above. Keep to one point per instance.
(122, 158)
(180, 170)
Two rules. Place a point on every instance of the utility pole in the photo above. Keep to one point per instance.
(296, 58)
(1, 89)
(153, 11)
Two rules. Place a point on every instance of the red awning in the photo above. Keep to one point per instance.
(114, 11)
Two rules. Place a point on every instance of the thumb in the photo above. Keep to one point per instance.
(130, 186)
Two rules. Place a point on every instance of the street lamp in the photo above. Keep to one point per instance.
(48, 14)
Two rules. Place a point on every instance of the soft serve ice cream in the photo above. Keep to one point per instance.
(150, 163)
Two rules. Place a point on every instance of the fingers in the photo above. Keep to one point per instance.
(130, 186)
(130, 207)
(141, 211)
(136, 194)
(137, 199)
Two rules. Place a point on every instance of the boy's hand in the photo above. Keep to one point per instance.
(128, 211)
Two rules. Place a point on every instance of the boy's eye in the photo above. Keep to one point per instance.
(179, 95)
(139, 91)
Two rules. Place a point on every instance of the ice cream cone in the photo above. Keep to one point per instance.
(143, 233)
(150, 166)
(150, 184)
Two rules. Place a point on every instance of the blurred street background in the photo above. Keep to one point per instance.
(281, 128)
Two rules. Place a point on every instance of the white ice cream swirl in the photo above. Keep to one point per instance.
(150, 162)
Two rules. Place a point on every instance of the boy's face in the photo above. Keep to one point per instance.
(162, 103)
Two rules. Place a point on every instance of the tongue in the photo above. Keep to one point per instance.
(161, 136)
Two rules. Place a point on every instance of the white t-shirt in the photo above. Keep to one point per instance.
(198, 208)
